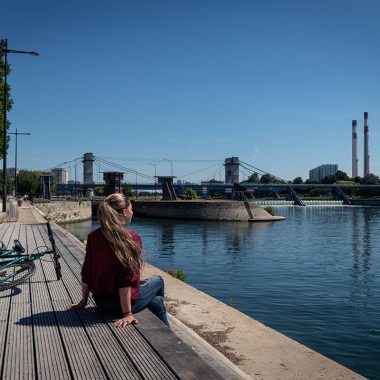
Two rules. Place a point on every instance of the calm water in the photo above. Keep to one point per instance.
(314, 277)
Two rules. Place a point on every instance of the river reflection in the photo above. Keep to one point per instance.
(315, 276)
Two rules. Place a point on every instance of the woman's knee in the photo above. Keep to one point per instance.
(157, 305)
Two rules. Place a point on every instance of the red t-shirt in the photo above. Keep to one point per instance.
(102, 270)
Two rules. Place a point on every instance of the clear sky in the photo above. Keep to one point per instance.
(273, 82)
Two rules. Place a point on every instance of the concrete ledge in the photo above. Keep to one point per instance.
(256, 349)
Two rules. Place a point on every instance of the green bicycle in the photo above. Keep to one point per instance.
(16, 267)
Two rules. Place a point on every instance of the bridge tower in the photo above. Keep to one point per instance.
(231, 165)
(88, 169)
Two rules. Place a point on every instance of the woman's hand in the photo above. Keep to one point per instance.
(76, 306)
(125, 321)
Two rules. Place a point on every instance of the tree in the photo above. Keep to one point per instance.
(10, 183)
(192, 194)
(28, 182)
(253, 178)
(311, 181)
(214, 181)
(297, 180)
(9, 100)
(371, 179)
(98, 191)
(341, 176)
(127, 190)
(269, 178)
(328, 179)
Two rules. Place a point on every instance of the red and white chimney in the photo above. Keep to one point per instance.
(366, 148)
(354, 149)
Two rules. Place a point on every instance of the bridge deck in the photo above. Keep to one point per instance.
(40, 339)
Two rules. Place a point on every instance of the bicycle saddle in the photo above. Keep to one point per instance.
(18, 247)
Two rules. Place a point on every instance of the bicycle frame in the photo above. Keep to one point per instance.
(17, 257)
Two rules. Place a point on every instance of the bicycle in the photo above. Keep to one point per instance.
(21, 265)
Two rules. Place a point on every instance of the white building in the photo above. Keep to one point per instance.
(322, 171)
(60, 175)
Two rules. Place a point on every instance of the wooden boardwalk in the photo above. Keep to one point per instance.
(40, 339)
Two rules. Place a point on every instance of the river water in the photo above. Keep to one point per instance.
(314, 277)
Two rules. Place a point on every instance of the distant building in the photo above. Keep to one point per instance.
(322, 171)
(11, 172)
(60, 175)
(231, 171)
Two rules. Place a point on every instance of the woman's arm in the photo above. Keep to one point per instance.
(126, 308)
(83, 301)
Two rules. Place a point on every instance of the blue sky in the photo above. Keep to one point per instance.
(273, 82)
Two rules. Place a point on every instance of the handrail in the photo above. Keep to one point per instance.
(12, 209)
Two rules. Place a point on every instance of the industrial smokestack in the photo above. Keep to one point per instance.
(354, 149)
(366, 148)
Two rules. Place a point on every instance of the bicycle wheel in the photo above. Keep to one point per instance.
(16, 274)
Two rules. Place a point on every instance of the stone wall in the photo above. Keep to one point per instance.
(203, 210)
(65, 211)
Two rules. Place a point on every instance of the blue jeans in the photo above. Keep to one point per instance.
(151, 296)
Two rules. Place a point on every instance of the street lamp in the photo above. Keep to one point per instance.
(155, 179)
(16, 134)
(171, 164)
(5, 51)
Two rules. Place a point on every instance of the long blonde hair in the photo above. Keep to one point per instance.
(111, 222)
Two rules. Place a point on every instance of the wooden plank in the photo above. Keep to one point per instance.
(50, 359)
(6, 231)
(115, 361)
(144, 357)
(180, 357)
(81, 355)
(183, 360)
(18, 357)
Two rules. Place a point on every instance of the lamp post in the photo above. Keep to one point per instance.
(155, 179)
(5, 51)
(171, 164)
(16, 134)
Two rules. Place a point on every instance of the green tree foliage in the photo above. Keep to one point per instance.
(28, 182)
(268, 178)
(253, 178)
(98, 191)
(371, 179)
(192, 194)
(10, 183)
(311, 181)
(214, 181)
(338, 176)
(4, 69)
(297, 180)
(328, 179)
(127, 190)
(341, 176)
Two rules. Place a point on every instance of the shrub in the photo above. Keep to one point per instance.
(269, 210)
(179, 274)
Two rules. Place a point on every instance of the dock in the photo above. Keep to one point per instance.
(40, 339)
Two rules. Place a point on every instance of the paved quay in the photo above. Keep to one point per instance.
(246, 348)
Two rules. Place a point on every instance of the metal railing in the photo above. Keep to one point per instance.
(12, 209)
